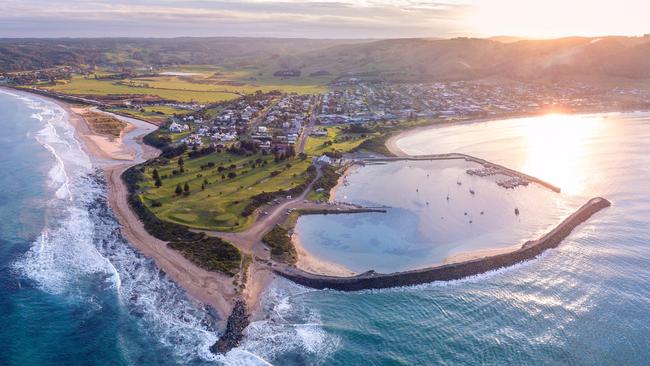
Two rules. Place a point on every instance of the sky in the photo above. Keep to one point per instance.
(322, 18)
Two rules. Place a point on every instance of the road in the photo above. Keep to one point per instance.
(309, 126)
(250, 240)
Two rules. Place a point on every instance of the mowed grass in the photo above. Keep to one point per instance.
(220, 204)
(341, 141)
(248, 80)
(78, 85)
(203, 87)
(152, 113)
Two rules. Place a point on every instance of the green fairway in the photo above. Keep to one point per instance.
(220, 204)
(341, 141)
(156, 114)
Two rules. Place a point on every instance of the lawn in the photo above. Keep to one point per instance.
(78, 85)
(341, 141)
(156, 114)
(202, 87)
(220, 204)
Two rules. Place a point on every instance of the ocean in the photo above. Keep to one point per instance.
(73, 292)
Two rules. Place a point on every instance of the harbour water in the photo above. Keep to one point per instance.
(584, 303)
(73, 292)
(435, 210)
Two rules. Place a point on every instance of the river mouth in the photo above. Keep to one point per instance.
(437, 212)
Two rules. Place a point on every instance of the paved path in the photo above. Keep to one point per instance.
(250, 240)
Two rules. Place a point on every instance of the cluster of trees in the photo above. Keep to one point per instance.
(244, 148)
(210, 253)
(282, 249)
(184, 190)
(170, 152)
(157, 139)
(328, 180)
(201, 152)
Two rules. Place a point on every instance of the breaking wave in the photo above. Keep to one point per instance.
(81, 254)
(292, 332)
(81, 250)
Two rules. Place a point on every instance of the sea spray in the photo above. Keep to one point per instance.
(82, 256)
(292, 332)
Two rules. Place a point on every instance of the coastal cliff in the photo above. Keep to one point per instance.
(455, 271)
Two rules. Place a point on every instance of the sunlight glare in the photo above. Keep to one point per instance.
(556, 150)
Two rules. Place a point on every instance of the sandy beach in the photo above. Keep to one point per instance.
(477, 254)
(309, 263)
(115, 156)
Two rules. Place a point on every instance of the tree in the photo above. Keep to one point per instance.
(181, 162)
(155, 175)
(178, 190)
(232, 175)
(186, 188)
(158, 183)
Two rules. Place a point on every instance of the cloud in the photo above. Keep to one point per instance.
(317, 19)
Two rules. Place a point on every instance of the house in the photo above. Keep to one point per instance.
(324, 160)
(319, 133)
(177, 128)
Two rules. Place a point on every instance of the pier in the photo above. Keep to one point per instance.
(522, 177)
(455, 271)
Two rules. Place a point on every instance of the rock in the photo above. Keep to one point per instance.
(237, 322)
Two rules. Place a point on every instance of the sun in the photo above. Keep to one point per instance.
(557, 150)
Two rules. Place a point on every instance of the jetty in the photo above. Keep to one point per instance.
(493, 168)
(454, 271)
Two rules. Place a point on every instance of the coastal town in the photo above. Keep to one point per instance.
(275, 120)
(324, 182)
(234, 175)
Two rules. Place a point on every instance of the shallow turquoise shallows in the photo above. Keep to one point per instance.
(72, 292)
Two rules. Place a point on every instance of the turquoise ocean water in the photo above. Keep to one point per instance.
(72, 292)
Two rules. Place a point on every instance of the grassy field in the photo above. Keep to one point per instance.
(219, 205)
(341, 141)
(198, 84)
(78, 85)
(155, 114)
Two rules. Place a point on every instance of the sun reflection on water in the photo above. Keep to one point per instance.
(557, 149)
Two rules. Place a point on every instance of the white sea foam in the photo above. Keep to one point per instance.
(81, 244)
(291, 328)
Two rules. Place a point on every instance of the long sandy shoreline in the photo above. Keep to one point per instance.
(115, 156)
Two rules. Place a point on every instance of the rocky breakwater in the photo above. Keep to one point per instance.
(455, 271)
(234, 333)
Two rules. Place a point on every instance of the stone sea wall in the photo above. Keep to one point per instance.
(452, 156)
(455, 271)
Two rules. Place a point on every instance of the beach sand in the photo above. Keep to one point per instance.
(309, 263)
(477, 254)
(116, 156)
(98, 146)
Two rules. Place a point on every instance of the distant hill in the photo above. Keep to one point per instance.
(394, 59)
(30, 54)
(468, 58)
